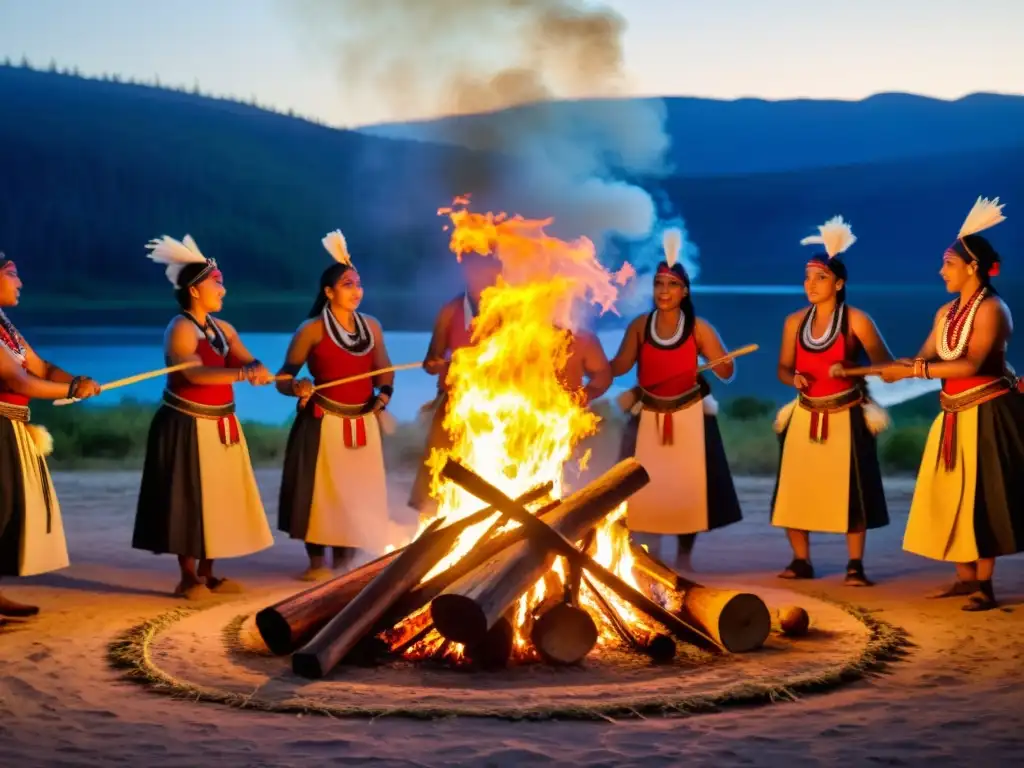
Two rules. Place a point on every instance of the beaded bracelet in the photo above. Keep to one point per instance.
(72, 386)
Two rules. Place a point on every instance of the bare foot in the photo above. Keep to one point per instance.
(16, 610)
(316, 574)
(224, 586)
(191, 590)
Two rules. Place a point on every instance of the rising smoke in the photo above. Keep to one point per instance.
(411, 59)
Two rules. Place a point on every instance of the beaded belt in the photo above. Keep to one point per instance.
(353, 426)
(821, 407)
(15, 412)
(971, 398)
(664, 407)
(227, 422)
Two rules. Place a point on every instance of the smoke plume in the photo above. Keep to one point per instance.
(417, 59)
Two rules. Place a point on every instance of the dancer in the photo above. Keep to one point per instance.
(31, 531)
(452, 331)
(674, 432)
(198, 498)
(333, 489)
(968, 506)
(829, 480)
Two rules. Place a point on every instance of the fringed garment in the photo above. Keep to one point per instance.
(675, 437)
(829, 479)
(438, 439)
(198, 496)
(333, 487)
(31, 530)
(969, 498)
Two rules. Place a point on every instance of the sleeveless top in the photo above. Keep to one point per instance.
(329, 360)
(459, 330)
(991, 370)
(814, 364)
(666, 369)
(11, 339)
(213, 354)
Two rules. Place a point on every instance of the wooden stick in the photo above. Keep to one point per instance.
(134, 379)
(661, 648)
(727, 357)
(875, 370)
(321, 654)
(291, 622)
(367, 375)
(557, 542)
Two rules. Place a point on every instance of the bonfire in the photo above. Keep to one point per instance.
(511, 569)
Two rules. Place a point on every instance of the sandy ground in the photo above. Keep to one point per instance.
(955, 700)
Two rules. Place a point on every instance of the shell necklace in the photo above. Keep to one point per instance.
(956, 328)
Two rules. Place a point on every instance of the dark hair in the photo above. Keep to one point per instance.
(837, 267)
(686, 305)
(186, 279)
(976, 249)
(328, 278)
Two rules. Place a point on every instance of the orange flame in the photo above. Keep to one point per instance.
(511, 419)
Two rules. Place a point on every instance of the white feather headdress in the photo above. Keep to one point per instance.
(337, 246)
(835, 234)
(176, 255)
(672, 244)
(985, 214)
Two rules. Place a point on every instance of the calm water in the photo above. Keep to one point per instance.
(741, 317)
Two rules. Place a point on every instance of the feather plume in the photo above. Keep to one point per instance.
(984, 214)
(41, 437)
(876, 417)
(783, 416)
(174, 254)
(337, 246)
(835, 234)
(710, 406)
(672, 244)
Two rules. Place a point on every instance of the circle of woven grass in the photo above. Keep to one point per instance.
(214, 654)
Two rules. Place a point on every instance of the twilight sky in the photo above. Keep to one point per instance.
(774, 49)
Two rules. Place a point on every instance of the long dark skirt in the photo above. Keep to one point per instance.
(298, 476)
(437, 437)
(722, 502)
(12, 500)
(975, 510)
(809, 501)
(169, 515)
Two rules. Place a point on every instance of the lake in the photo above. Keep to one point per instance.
(742, 316)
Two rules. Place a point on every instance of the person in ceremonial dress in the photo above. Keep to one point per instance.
(334, 488)
(453, 330)
(968, 505)
(31, 530)
(198, 497)
(829, 479)
(674, 430)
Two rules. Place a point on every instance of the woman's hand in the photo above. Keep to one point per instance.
(837, 371)
(435, 366)
(257, 374)
(85, 387)
(800, 382)
(380, 403)
(897, 371)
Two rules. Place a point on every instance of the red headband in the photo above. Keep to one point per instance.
(664, 269)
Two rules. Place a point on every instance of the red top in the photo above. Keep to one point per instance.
(6, 395)
(327, 362)
(993, 368)
(667, 371)
(814, 364)
(205, 394)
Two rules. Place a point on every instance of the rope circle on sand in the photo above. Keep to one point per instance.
(132, 654)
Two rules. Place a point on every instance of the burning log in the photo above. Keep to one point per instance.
(291, 623)
(738, 621)
(495, 650)
(318, 657)
(562, 632)
(555, 541)
(471, 606)
(661, 648)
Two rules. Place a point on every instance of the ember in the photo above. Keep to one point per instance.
(543, 575)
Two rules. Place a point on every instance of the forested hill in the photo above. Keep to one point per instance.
(90, 170)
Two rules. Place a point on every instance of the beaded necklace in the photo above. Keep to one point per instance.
(359, 343)
(956, 328)
(11, 338)
(676, 335)
(819, 343)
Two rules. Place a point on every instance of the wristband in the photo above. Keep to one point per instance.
(72, 386)
(388, 390)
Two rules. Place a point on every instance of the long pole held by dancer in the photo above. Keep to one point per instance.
(134, 379)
